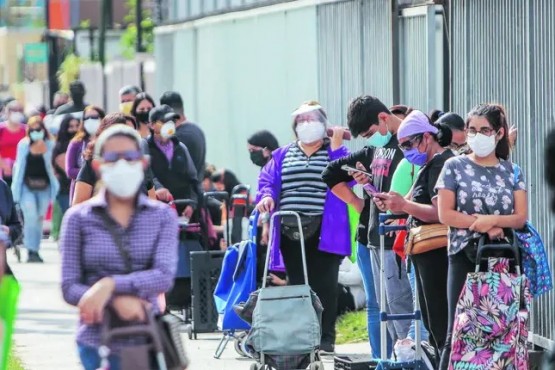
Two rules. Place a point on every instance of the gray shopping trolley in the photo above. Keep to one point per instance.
(285, 331)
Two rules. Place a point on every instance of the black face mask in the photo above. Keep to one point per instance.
(257, 157)
(142, 116)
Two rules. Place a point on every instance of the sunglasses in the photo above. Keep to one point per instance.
(407, 145)
(128, 155)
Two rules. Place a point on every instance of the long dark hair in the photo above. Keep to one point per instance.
(138, 99)
(228, 178)
(64, 136)
(82, 134)
(497, 117)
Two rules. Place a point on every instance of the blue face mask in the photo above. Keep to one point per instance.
(415, 157)
(378, 140)
(36, 135)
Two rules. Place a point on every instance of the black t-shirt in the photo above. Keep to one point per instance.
(423, 190)
(192, 136)
(382, 163)
(88, 176)
(36, 168)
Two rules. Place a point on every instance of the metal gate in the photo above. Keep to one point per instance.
(502, 51)
(421, 57)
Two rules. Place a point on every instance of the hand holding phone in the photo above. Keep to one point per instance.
(348, 168)
(346, 133)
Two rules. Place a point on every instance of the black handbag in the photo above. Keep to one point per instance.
(167, 326)
(36, 183)
(310, 225)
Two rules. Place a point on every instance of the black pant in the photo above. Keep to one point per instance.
(323, 271)
(431, 277)
(459, 266)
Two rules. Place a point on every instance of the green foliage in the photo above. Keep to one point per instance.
(352, 328)
(85, 24)
(69, 71)
(128, 39)
(13, 361)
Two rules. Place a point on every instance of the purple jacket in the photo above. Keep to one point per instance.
(335, 234)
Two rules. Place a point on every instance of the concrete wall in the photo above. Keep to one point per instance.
(241, 74)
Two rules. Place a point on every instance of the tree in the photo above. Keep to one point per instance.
(68, 71)
(129, 37)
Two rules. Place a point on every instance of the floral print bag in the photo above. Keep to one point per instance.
(491, 320)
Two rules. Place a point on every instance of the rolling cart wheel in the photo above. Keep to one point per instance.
(254, 366)
(238, 347)
(316, 366)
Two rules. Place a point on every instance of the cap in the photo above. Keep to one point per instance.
(159, 113)
(415, 123)
(172, 116)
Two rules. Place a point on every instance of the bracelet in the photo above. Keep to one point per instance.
(265, 218)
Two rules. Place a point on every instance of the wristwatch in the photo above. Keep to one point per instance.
(265, 217)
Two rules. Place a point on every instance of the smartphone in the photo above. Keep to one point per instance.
(346, 134)
(370, 189)
(348, 168)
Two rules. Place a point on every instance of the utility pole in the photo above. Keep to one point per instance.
(138, 21)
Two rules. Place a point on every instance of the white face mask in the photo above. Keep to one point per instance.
(310, 132)
(482, 145)
(91, 125)
(16, 117)
(167, 130)
(123, 179)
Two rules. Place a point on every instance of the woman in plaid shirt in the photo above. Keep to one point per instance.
(98, 271)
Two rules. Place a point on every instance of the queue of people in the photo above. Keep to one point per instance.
(112, 174)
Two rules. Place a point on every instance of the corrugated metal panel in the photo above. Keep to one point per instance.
(542, 120)
(348, 51)
(510, 61)
(376, 53)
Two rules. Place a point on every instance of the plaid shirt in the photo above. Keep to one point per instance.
(89, 253)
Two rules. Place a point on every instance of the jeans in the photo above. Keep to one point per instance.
(397, 291)
(424, 335)
(90, 359)
(459, 266)
(63, 201)
(34, 204)
(372, 307)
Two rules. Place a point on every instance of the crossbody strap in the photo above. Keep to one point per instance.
(122, 249)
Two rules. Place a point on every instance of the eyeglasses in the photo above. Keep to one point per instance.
(487, 131)
(408, 145)
(128, 155)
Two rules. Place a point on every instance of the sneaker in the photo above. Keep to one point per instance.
(327, 349)
(34, 257)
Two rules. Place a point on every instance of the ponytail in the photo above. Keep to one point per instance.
(444, 135)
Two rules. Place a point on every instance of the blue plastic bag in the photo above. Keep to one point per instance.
(237, 279)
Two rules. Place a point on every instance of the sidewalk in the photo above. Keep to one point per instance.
(45, 326)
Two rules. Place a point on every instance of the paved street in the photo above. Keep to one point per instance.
(45, 326)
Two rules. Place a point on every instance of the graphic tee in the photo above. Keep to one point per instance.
(479, 190)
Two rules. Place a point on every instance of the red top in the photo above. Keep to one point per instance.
(9, 140)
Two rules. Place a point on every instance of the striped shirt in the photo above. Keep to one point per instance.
(302, 188)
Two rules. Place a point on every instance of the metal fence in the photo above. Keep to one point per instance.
(503, 51)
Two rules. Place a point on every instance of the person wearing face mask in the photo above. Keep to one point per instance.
(98, 271)
(260, 146)
(68, 129)
(11, 133)
(171, 162)
(127, 95)
(478, 194)
(370, 118)
(423, 144)
(142, 105)
(77, 104)
(292, 181)
(34, 183)
(92, 117)
(87, 182)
